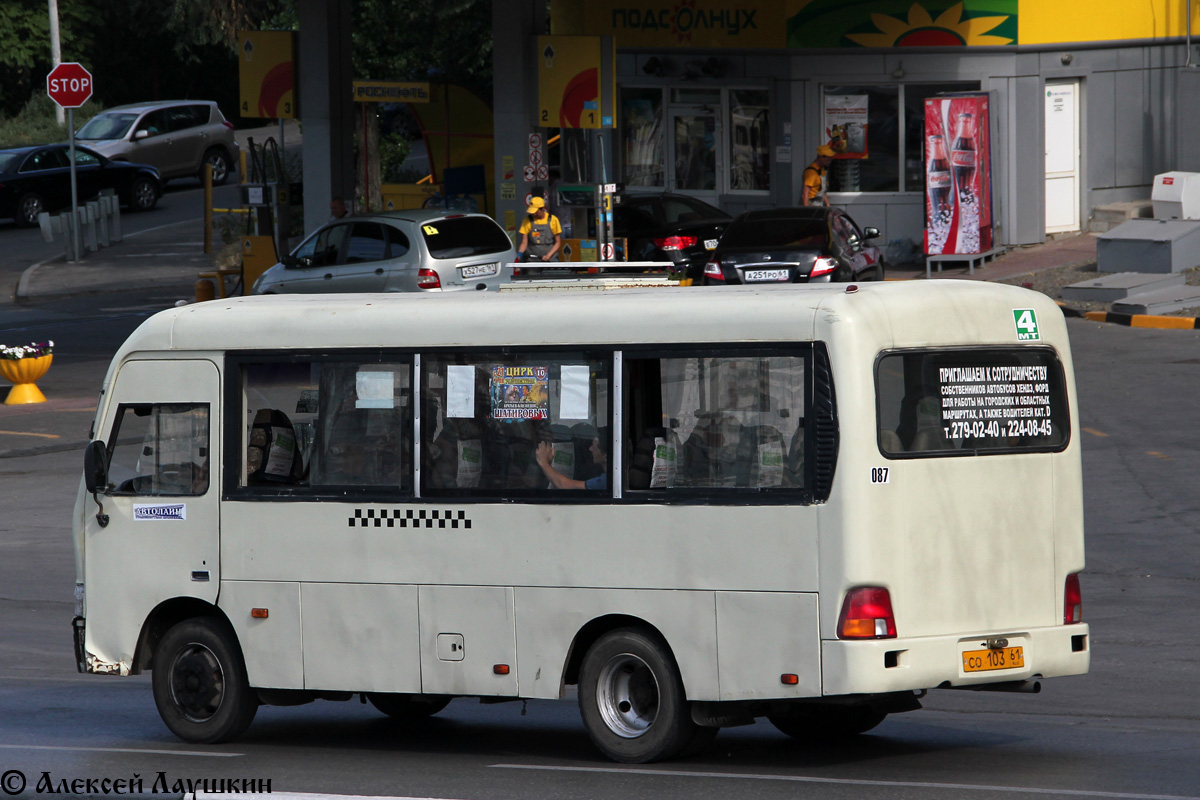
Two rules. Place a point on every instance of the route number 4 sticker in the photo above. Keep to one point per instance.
(1027, 327)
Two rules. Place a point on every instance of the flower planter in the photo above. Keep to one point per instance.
(24, 373)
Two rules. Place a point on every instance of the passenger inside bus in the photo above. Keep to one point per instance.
(599, 451)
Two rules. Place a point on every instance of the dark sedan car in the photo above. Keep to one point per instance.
(669, 227)
(794, 245)
(37, 179)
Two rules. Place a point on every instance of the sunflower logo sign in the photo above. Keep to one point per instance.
(902, 23)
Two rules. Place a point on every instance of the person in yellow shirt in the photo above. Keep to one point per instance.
(541, 233)
(816, 179)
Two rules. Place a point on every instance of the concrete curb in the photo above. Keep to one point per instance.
(1145, 320)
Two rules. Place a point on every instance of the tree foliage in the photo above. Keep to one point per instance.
(141, 50)
(420, 40)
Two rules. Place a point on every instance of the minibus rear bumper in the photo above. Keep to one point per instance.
(891, 665)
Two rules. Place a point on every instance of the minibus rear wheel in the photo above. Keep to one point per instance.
(631, 698)
(820, 723)
(200, 684)
(409, 707)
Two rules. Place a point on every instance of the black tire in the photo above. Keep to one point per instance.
(631, 698)
(816, 724)
(200, 684)
(221, 166)
(28, 207)
(143, 195)
(409, 707)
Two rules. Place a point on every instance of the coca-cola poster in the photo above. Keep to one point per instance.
(846, 124)
(958, 172)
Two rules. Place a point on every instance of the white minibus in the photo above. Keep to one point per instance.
(698, 506)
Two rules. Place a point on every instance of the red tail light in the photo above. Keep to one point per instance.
(1072, 601)
(428, 279)
(867, 614)
(676, 242)
(713, 270)
(823, 266)
(227, 124)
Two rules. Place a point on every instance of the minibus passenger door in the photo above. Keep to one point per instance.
(158, 536)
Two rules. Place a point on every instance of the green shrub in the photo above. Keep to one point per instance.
(35, 123)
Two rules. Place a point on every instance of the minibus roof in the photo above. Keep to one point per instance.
(888, 314)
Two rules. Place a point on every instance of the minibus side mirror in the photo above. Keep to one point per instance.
(870, 233)
(95, 467)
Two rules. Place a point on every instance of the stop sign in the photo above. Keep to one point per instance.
(69, 85)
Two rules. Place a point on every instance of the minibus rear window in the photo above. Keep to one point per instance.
(971, 401)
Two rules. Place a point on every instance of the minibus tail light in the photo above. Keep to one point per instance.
(428, 279)
(713, 270)
(867, 614)
(823, 266)
(1072, 601)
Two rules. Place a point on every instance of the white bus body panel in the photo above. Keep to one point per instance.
(131, 566)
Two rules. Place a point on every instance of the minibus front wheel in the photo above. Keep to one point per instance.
(200, 684)
(631, 698)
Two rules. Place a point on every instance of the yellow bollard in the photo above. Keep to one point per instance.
(205, 291)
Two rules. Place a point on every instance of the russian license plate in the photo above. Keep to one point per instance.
(986, 660)
(710, 244)
(479, 270)
(758, 275)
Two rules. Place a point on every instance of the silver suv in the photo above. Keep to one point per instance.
(396, 251)
(177, 136)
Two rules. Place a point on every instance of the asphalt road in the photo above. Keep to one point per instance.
(1129, 729)
(182, 200)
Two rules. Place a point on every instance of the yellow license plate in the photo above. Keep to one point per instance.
(985, 660)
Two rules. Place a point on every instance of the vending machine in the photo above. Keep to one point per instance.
(958, 175)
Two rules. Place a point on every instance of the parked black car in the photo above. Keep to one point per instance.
(37, 179)
(794, 245)
(669, 227)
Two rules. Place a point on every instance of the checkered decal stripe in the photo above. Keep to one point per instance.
(409, 518)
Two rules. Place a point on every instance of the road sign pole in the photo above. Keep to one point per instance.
(78, 251)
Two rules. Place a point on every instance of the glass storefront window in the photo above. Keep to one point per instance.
(642, 138)
(880, 170)
(914, 127)
(895, 136)
(749, 140)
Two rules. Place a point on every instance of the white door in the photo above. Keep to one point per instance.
(1062, 157)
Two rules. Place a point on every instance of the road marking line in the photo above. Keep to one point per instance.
(1156, 454)
(43, 435)
(1095, 432)
(135, 750)
(749, 776)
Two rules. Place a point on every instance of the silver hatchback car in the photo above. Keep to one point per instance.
(396, 251)
(178, 137)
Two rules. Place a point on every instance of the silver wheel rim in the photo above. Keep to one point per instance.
(144, 195)
(627, 695)
(30, 209)
(218, 167)
(197, 682)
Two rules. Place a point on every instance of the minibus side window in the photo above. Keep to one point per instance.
(971, 401)
(160, 450)
(716, 422)
(483, 417)
(343, 424)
